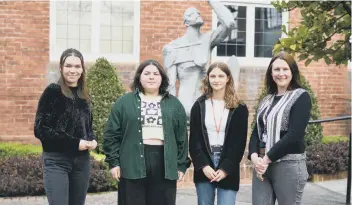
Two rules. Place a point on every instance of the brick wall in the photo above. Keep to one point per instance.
(24, 54)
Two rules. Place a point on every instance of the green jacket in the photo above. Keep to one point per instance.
(123, 143)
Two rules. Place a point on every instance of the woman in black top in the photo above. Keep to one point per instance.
(63, 124)
(276, 146)
(218, 133)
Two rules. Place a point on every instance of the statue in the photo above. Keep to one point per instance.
(187, 58)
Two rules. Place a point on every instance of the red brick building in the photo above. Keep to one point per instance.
(34, 33)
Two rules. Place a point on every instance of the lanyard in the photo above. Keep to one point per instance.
(216, 126)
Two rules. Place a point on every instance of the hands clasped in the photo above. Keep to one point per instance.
(214, 175)
(87, 145)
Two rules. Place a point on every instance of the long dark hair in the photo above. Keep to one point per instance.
(231, 99)
(137, 77)
(270, 84)
(82, 91)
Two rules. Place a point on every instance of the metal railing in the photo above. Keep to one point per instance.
(348, 191)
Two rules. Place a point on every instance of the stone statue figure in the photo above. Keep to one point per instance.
(187, 58)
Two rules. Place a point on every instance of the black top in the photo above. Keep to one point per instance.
(61, 122)
(232, 150)
(292, 140)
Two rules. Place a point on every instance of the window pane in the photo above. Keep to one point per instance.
(61, 5)
(85, 33)
(105, 33)
(127, 47)
(127, 19)
(86, 6)
(61, 17)
(268, 23)
(241, 25)
(73, 17)
(242, 12)
(84, 45)
(116, 46)
(128, 33)
(61, 31)
(105, 19)
(73, 43)
(105, 46)
(86, 18)
(116, 33)
(61, 45)
(238, 35)
(73, 32)
(116, 27)
(116, 19)
(241, 50)
(73, 25)
(263, 51)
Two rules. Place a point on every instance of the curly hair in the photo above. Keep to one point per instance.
(230, 98)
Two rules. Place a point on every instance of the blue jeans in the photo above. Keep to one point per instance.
(206, 190)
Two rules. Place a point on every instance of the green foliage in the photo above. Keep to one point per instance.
(105, 88)
(17, 149)
(97, 157)
(313, 131)
(334, 139)
(321, 20)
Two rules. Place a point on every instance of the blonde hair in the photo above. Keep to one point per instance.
(230, 98)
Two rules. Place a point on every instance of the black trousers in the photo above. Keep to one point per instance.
(152, 190)
(66, 177)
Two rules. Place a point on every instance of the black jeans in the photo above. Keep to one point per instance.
(66, 177)
(152, 190)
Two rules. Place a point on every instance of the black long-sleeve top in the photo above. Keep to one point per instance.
(292, 140)
(61, 122)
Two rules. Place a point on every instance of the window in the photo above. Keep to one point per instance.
(267, 31)
(236, 43)
(96, 28)
(257, 29)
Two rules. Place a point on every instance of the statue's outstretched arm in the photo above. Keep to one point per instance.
(223, 13)
(227, 22)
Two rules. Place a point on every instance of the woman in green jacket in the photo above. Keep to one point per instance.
(145, 140)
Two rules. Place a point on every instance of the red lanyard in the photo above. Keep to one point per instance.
(216, 126)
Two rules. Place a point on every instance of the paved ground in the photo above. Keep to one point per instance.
(315, 194)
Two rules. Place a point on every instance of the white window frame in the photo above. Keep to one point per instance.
(95, 38)
(249, 60)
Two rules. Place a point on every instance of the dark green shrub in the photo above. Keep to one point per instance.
(23, 176)
(327, 158)
(314, 132)
(105, 88)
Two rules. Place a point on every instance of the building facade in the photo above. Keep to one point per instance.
(33, 35)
